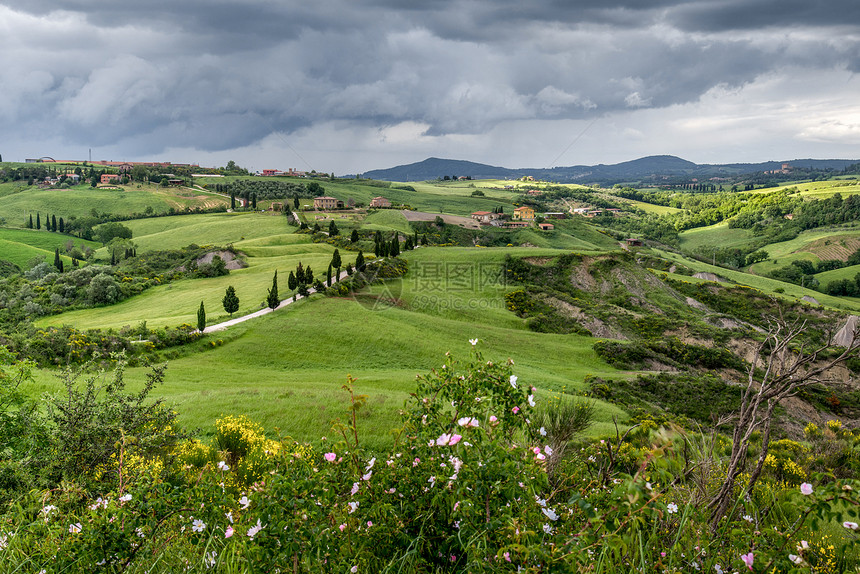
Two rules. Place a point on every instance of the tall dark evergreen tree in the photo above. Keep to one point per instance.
(272, 300)
(295, 202)
(309, 275)
(230, 301)
(30, 224)
(300, 274)
(254, 201)
(58, 263)
(354, 236)
(359, 262)
(394, 250)
(53, 223)
(336, 262)
(62, 226)
(201, 318)
(38, 221)
(332, 229)
(328, 276)
(232, 200)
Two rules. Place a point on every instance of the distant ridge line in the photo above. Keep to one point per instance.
(653, 167)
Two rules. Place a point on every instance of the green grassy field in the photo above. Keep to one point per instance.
(649, 207)
(783, 253)
(765, 284)
(838, 274)
(266, 239)
(820, 189)
(719, 235)
(20, 246)
(435, 197)
(21, 201)
(285, 369)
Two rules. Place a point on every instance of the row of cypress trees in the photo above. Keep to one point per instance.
(51, 223)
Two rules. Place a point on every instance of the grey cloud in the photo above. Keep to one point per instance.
(220, 75)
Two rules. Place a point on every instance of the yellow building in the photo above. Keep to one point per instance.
(523, 213)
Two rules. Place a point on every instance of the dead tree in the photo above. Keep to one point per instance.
(781, 367)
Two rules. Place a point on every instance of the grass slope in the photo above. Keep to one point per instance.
(22, 245)
(285, 369)
(21, 201)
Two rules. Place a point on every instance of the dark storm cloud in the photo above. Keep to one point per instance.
(216, 75)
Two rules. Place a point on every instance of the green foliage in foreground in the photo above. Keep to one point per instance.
(467, 487)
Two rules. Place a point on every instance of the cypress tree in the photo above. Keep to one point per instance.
(272, 298)
(359, 262)
(30, 224)
(395, 246)
(291, 281)
(62, 226)
(300, 274)
(53, 223)
(254, 200)
(328, 276)
(38, 221)
(295, 202)
(230, 301)
(353, 237)
(201, 318)
(232, 200)
(336, 262)
(349, 269)
(309, 275)
(58, 263)
(376, 249)
(332, 229)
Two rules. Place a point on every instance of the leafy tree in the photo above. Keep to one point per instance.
(201, 318)
(103, 289)
(273, 300)
(230, 301)
(93, 422)
(94, 181)
(107, 231)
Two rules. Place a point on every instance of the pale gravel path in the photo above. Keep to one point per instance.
(227, 324)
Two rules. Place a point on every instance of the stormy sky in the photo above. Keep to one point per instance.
(347, 86)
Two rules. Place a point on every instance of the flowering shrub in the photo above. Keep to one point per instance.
(463, 489)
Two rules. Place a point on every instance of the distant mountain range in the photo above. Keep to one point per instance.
(654, 167)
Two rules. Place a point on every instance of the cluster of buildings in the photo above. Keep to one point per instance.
(522, 217)
(591, 212)
(290, 172)
(325, 203)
